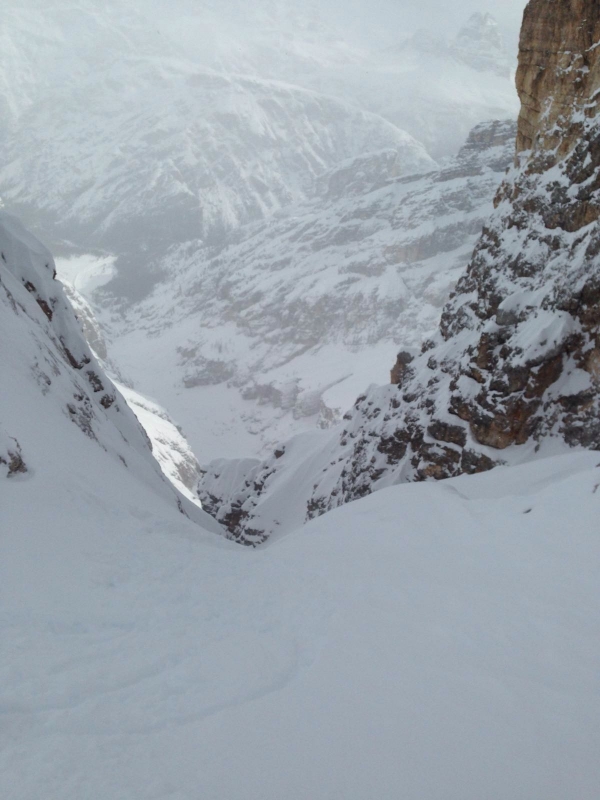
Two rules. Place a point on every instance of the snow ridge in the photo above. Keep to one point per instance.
(51, 379)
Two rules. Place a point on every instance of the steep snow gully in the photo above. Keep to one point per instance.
(434, 640)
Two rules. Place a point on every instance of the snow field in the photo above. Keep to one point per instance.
(433, 640)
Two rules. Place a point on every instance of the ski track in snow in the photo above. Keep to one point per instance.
(455, 626)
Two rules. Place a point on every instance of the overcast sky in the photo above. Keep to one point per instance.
(445, 16)
(508, 12)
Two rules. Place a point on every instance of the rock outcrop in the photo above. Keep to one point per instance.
(516, 359)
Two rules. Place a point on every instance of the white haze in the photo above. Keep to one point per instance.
(359, 22)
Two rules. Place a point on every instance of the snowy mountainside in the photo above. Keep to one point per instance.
(158, 127)
(169, 445)
(193, 155)
(284, 326)
(59, 413)
(169, 149)
(438, 638)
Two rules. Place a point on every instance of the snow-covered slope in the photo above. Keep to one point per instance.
(282, 328)
(421, 639)
(433, 641)
(169, 445)
(65, 431)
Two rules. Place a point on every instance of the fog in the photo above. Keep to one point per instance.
(373, 23)
(405, 16)
(441, 14)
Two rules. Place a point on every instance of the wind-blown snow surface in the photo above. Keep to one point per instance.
(435, 641)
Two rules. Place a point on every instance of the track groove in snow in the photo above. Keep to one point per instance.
(432, 640)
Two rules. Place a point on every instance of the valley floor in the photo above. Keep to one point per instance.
(431, 642)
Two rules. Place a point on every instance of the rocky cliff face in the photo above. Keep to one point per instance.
(530, 299)
(516, 359)
(558, 74)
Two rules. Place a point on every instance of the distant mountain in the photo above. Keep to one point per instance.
(127, 128)
(114, 140)
(437, 89)
(480, 45)
(194, 156)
